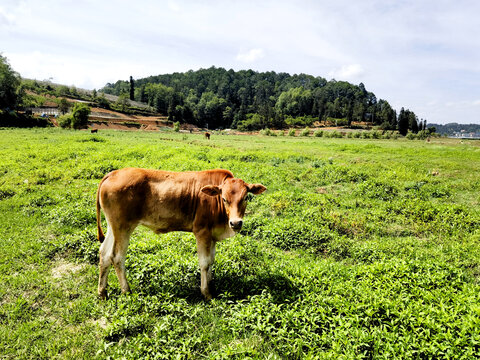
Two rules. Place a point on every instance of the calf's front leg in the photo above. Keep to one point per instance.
(206, 257)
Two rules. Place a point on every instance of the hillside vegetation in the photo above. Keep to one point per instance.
(360, 249)
(249, 100)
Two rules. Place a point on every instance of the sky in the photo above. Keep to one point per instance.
(422, 55)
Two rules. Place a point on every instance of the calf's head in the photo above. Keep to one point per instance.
(234, 193)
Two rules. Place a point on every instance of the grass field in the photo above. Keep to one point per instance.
(359, 249)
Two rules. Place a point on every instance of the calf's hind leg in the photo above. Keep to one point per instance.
(113, 251)
(122, 239)
(106, 256)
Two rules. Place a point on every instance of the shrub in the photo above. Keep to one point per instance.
(291, 132)
(253, 122)
(103, 102)
(340, 122)
(65, 121)
(336, 134)
(299, 120)
(366, 135)
(305, 132)
(318, 133)
(79, 115)
(423, 134)
(176, 126)
(411, 136)
(267, 132)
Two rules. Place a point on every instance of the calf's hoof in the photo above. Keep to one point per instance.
(102, 294)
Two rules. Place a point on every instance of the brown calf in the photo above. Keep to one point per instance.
(211, 204)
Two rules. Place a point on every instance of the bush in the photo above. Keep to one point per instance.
(305, 132)
(300, 120)
(176, 126)
(80, 114)
(318, 133)
(366, 135)
(411, 136)
(65, 121)
(339, 122)
(267, 132)
(423, 134)
(291, 132)
(253, 122)
(103, 102)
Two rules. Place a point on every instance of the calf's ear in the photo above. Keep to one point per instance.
(211, 190)
(256, 189)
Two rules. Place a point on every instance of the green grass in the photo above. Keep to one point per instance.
(360, 248)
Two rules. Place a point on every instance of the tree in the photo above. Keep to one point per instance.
(122, 101)
(63, 106)
(210, 110)
(132, 89)
(295, 102)
(80, 114)
(9, 85)
(253, 122)
(350, 113)
(403, 122)
(412, 121)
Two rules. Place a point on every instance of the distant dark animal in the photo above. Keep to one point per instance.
(207, 135)
(93, 131)
(211, 204)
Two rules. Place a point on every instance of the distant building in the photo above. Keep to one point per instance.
(463, 134)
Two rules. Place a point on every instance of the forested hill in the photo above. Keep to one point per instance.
(250, 100)
(452, 129)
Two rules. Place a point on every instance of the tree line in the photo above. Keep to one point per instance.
(245, 100)
(250, 100)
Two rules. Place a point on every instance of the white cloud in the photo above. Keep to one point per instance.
(463, 103)
(174, 6)
(251, 55)
(347, 72)
(6, 18)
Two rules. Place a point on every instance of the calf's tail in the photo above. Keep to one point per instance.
(100, 235)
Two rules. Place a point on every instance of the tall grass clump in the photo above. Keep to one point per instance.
(305, 132)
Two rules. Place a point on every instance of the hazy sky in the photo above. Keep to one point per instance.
(423, 55)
